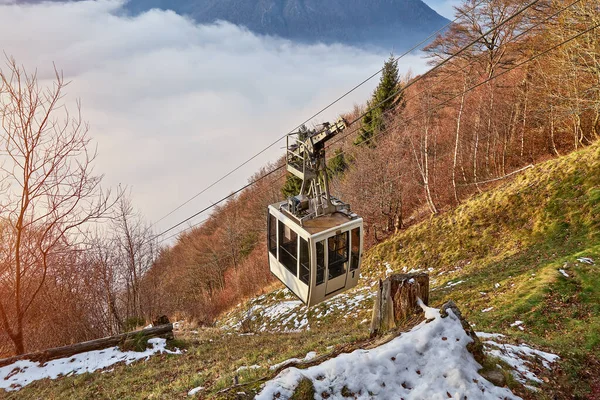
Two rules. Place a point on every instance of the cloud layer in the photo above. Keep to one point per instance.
(174, 105)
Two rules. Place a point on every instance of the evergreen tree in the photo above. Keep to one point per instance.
(292, 186)
(338, 164)
(384, 99)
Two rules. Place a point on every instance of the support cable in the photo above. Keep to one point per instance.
(415, 47)
(404, 121)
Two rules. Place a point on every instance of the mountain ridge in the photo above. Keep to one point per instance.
(396, 24)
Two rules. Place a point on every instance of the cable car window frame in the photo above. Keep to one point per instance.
(272, 234)
(337, 252)
(285, 256)
(304, 261)
(320, 262)
(355, 249)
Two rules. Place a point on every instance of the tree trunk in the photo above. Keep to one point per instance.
(397, 300)
(457, 139)
(426, 173)
(552, 142)
(476, 149)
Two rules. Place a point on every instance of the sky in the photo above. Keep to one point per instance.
(172, 105)
(444, 7)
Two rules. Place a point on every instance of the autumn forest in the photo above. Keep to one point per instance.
(511, 84)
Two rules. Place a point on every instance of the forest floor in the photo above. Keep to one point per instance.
(521, 261)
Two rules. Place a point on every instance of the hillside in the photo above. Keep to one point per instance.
(397, 24)
(521, 261)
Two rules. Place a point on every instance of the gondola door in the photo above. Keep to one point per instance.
(337, 262)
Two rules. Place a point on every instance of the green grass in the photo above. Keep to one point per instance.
(304, 391)
(517, 236)
(211, 360)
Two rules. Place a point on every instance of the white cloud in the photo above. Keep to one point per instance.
(174, 105)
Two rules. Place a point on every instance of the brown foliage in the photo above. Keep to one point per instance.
(469, 125)
(212, 267)
(465, 127)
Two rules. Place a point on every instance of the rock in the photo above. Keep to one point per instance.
(495, 376)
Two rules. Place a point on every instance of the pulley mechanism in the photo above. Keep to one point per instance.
(305, 159)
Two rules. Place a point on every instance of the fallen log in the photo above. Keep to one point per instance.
(163, 331)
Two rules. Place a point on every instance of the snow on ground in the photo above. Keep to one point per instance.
(308, 357)
(195, 391)
(280, 312)
(388, 268)
(485, 335)
(519, 357)
(22, 373)
(281, 308)
(247, 367)
(449, 285)
(409, 367)
(518, 324)
(563, 272)
(452, 284)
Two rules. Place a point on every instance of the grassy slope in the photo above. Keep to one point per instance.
(517, 236)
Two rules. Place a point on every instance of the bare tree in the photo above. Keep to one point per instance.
(104, 281)
(49, 190)
(137, 251)
(422, 152)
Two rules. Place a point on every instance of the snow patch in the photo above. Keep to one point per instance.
(388, 268)
(22, 373)
(245, 368)
(520, 357)
(562, 271)
(280, 309)
(487, 309)
(485, 335)
(178, 325)
(452, 284)
(308, 357)
(195, 391)
(269, 313)
(586, 260)
(430, 361)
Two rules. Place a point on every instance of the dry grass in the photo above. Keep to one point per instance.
(517, 236)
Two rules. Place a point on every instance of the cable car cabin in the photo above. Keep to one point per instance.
(318, 260)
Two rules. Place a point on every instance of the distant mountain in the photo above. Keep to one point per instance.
(390, 24)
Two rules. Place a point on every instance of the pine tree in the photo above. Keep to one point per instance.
(385, 98)
(338, 164)
(292, 186)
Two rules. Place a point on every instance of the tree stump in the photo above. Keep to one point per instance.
(162, 320)
(397, 300)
